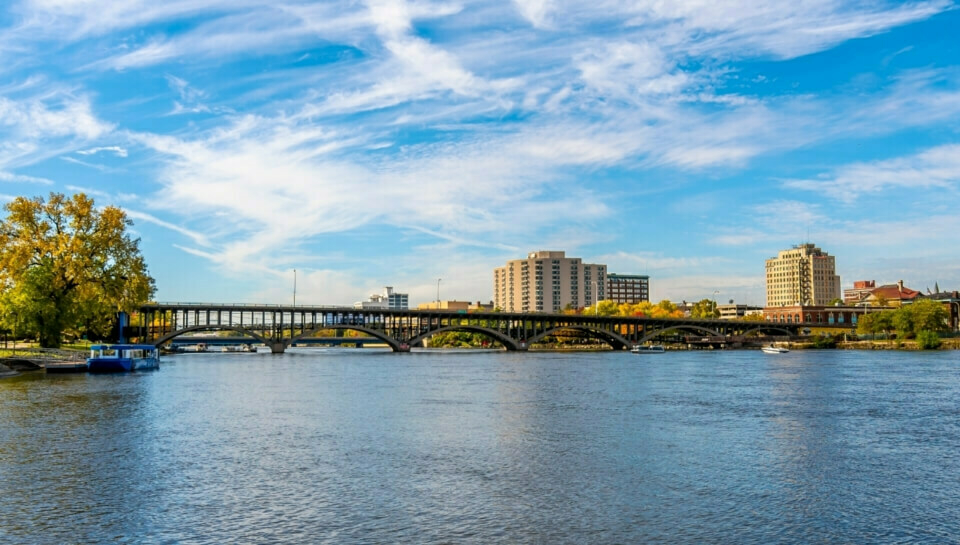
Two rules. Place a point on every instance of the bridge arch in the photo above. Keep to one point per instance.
(768, 328)
(684, 327)
(617, 341)
(508, 342)
(390, 341)
(211, 327)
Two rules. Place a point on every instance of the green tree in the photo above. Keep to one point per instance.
(922, 315)
(867, 324)
(883, 321)
(928, 340)
(603, 308)
(68, 266)
(836, 302)
(705, 308)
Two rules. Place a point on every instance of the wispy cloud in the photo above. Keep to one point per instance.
(20, 178)
(197, 238)
(935, 168)
(466, 193)
(116, 150)
(94, 166)
(44, 125)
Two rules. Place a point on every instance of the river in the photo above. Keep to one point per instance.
(364, 446)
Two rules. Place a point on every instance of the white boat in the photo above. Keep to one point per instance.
(773, 350)
(651, 349)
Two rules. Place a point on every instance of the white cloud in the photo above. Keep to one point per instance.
(51, 117)
(197, 238)
(116, 150)
(275, 184)
(20, 178)
(45, 125)
(935, 168)
(535, 11)
(94, 166)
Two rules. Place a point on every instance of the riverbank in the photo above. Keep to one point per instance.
(890, 344)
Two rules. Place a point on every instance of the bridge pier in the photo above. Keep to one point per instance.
(277, 348)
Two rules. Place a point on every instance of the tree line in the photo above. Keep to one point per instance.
(67, 267)
(922, 320)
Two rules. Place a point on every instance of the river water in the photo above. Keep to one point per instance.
(363, 446)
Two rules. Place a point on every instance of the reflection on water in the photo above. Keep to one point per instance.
(360, 446)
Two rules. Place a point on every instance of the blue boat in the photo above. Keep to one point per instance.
(120, 358)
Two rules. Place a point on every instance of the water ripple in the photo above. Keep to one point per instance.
(357, 446)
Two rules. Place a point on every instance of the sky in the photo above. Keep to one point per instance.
(367, 144)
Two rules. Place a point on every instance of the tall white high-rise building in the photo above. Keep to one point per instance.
(802, 275)
(547, 281)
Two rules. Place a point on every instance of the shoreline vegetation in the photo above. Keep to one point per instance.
(13, 365)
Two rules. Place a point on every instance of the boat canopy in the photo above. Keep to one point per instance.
(123, 347)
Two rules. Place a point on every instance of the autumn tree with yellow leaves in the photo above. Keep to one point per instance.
(66, 265)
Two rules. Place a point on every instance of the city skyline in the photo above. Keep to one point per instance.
(394, 143)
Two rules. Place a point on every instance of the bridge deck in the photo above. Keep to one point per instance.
(278, 326)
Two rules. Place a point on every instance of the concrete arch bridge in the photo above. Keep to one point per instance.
(280, 326)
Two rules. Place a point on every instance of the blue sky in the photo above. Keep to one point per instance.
(393, 143)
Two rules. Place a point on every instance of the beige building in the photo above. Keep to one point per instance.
(802, 275)
(547, 282)
(456, 305)
(735, 312)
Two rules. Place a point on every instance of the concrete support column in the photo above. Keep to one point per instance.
(277, 348)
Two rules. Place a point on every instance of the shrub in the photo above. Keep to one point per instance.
(824, 341)
(928, 340)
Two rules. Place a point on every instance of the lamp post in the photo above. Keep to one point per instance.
(714, 310)
(438, 293)
(596, 298)
(294, 287)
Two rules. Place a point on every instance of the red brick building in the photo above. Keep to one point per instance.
(792, 314)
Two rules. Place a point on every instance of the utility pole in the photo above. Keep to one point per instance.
(596, 301)
(294, 287)
(438, 293)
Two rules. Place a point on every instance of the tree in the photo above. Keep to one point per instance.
(867, 324)
(68, 266)
(705, 308)
(928, 340)
(922, 315)
(835, 302)
(883, 321)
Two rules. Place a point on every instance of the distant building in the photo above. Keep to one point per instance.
(444, 305)
(861, 290)
(734, 312)
(628, 288)
(389, 299)
(815, 314)
(894, 295)
(802, 275)
(951, 301)
(456, 305)
(548, 281)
